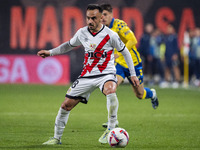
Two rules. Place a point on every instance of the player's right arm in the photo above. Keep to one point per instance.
(43, 53)
(63, 48)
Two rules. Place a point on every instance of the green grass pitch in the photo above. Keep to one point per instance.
(27, 115)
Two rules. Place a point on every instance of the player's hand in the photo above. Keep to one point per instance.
(135, 81)
(43, 53)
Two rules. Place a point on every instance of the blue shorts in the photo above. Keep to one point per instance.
(124, 72)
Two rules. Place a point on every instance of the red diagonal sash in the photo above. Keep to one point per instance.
(89, 67)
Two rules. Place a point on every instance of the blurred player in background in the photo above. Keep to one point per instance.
(98, 71)
(157, 66)
(172, 61)
(144, 50)
(128, 37)
(195, 55)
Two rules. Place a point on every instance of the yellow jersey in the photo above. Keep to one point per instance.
(128, 37)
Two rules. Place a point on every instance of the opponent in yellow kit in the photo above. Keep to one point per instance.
(128, 37)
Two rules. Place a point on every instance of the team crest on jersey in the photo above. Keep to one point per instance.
(93, 46)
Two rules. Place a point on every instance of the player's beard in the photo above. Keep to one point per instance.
(91, 27)
(94, 27)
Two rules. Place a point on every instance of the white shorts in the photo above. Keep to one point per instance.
(84, 86)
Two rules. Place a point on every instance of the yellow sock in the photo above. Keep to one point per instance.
(144, 95)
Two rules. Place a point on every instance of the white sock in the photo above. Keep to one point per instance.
(60, 122)
(112, 107)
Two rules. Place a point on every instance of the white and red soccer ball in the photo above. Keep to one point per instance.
(118, 137)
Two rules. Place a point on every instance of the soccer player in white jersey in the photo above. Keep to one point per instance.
(98, 71)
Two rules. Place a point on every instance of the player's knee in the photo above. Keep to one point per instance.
(109, 91)
(110, 88)
(139, 96)
(66, 106)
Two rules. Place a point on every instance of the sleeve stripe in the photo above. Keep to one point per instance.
(122, 49)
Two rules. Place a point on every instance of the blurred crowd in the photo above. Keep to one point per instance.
(163, 60)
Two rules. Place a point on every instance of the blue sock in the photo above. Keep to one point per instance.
(149, 93)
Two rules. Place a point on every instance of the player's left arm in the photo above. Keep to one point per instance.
(129, 62)
(119, 45)
(127, 34)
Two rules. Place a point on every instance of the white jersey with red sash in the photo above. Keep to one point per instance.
(99, 50)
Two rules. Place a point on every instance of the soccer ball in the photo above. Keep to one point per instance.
(118, 137)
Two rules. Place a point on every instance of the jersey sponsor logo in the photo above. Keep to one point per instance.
(100, 54)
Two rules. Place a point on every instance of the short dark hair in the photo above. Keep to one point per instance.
(107, 7)
(94, 6)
